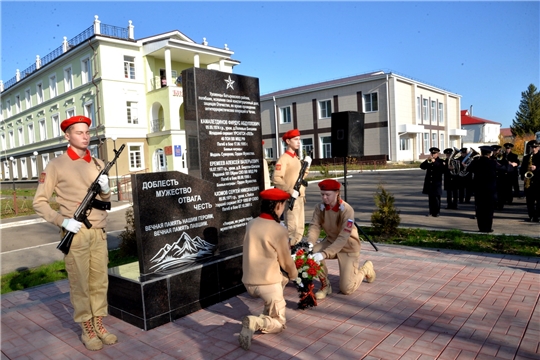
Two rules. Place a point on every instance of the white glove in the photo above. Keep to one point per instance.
(308, 160)
(318, 257)
(295, 194)
(103, 182)
(72, 225)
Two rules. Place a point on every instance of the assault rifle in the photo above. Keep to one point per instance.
(367, 238)
(82, 212)
(300, 181)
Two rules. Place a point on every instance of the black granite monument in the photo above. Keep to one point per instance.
(190, 228)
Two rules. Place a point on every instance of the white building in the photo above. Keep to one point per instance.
(129, 88)
(403, 117)
(479, 131)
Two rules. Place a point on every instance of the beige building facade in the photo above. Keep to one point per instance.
(403, 117)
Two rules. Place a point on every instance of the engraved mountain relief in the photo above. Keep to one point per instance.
(184, 250)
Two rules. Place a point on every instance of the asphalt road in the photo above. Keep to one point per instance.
(29, 242)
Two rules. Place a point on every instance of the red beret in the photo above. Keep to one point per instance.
(291, 133)
(329, 185)
(74, 120)
(274, 194)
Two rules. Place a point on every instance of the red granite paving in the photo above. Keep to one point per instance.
(424, 304)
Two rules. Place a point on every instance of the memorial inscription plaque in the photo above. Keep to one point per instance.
(223, 124)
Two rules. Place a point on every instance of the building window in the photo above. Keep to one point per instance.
(31, 136)
(21, 136)
(441, 113)
(434, 139)
(45, 160)
(426, 143)
(307, 147)
(70, 113)
(52, 86)
(17, 104)
(39, 93)
(285, 115)
(28, 98)
(68, 79)
(6, 170)
(42, 130)
(269, 153)
(55, 125)
(86, 71)
(132, 112)
(325, 109)
(58, 153)
(418, 110)
(425, 110)
(326, 147)
(441, 142)
(371, 102)
(33, 166)
(3, 141)
(24, 169)
(433, 111)
(94, 151)
(135, 157)
(404, 143)
(89, 113)
(11, 139)
(15, 169)
(129, 67)
(8, 108)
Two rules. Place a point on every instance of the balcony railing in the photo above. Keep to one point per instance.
(157, 124)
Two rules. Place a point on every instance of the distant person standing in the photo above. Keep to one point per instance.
(514, 175)
(484, 170)
(434, 167)
(70, 176)
(465, 180)
(286, 173)
(451, 179)
(530, 173)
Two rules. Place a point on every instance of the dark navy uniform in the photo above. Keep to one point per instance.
(484, 170)
(465, 180)
(433, 181)
(451, 179)
(532, 190)
(514, 175)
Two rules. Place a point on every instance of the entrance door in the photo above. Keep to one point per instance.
(160, 160)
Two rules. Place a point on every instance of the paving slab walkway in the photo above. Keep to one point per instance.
(424, 304)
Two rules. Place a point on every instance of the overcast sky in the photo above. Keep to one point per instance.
(487, 52)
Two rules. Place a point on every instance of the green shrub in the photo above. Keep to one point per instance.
(385, 219)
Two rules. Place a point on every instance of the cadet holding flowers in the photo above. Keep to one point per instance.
(342, 242)
(265, 252)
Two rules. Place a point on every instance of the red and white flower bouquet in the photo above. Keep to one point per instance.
(308, 269)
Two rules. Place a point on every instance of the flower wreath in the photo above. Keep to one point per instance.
(308, 269)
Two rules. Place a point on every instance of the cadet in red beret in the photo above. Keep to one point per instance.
(265, 252)
(286, 172)
(342, 242)
(70, 176)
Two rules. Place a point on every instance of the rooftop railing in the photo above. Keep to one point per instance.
(107, 30)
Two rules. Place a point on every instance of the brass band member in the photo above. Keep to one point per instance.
(451, 179)
(465, 182)
(434, 167)
(484, 171)
(530, 173)
(514, 175)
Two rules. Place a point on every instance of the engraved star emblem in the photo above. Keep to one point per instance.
(229, 83)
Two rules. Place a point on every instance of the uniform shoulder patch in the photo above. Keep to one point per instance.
(42, 177)
(278, 167)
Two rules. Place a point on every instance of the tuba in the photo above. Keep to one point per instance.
(473, 154)
(453, 162)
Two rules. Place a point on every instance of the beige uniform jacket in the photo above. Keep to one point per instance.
(286, 173)
(70, 180)
(266, 249)
(339, 228)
